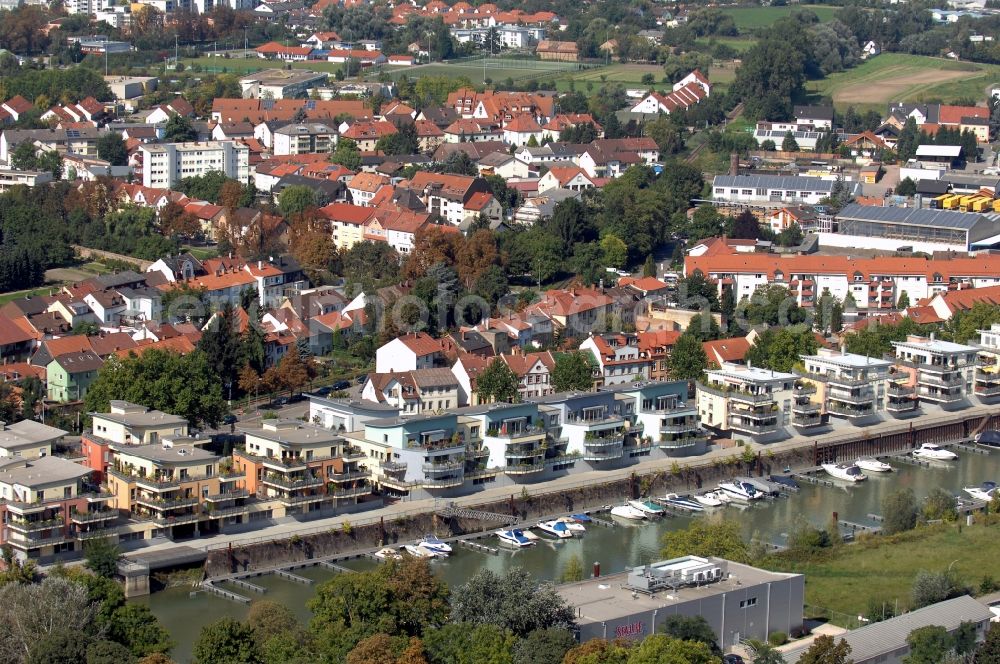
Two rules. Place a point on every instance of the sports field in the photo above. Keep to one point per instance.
(496, 69)
(748, 18)
(901, 77)
(249, 65)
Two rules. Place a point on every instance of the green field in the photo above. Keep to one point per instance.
(31, 292)
(738, 44)
(900, 77)
(748, 18)
(885, 569)
(497, 69)
(254, 64)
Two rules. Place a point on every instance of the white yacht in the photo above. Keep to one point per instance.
(628, 512)
(388, 553)
(572, 524)
(514, 537)
(933, 452)
(873, 465)
(556, 528)
(984, 491)
(434, 544)
(741, 491)
(418, 551)
(849, 472)
(687, 504)
(711, 499)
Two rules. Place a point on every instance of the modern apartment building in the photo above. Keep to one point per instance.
(666, 416)
(304, 138)
(126, 424)
(747, 402)
(302, 468)
(166, 164)
(27, 439)
(988, 372)
(48, 507)
(846, 385)
(942, 371)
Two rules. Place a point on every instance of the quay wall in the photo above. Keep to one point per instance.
(533, 502)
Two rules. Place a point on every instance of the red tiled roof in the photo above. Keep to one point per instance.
(421, 343)
(726, 350)
(952, 115)
(478, 201)
(346, 213)
(280, 49)
(522, 124)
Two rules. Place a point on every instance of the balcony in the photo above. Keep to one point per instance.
(161, 483)
(944, 380)
(17, 507)
(235, 494)
(351, 492)
(98, 533)
(763, 425)
(563, 459)
(603, 453)
(291, 483)
(681, 427)
(531, 433)
(97, 496)
(989, 390)
(285, 464)
(476, 452)
(176, 519)
(90, 517)
(806, 407)
(524, 451)
(851, 382)
(444, 482)
(852, 397)
(231, 476)
(900, 390)
(437, 468)
(806, 419)
(393, 466)
(804, 388)
(35, 525)
(157, 503)
(350, 476)
(597, 424)
(850, 410)
(941, 394)
(481, 473)
(397, 484)
(524, 468)
(901, 405)
(223, 512)
(302, 499)
(604, 439)
(26, 543)
(670, 408)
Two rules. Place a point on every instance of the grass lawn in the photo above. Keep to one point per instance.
(748, 18)
(738, 44)
(31, 292)
(254, 64)
(497, 69)
(885, 569)
(201, 253)
(901, 77)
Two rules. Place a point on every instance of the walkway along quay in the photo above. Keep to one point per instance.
(290, 542)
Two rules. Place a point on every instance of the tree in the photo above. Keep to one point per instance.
(573, 371)
(904, 301)
(899, 512)
(649, 267)
(745, 226)
(779, 349)
(513, 601)
(469, 644)
(664, 649)
(933, 587)
(906, 187)
(572, 571)
(179, 129)
(59, 647)
(24, 157)
(111, 147)
(599, 651)
(226, 641)
(825, 651)
(51, 162)
(771, 305)
(939, 504)
(697, 292)
(403, 142)
(928, 645)
(221, 344)
(101, 557)
(791, 236)
(765, 653)
(988, 652)
(703, 538)
(346, 154)
(497, 383)
(544, 646)
(614, 251)
(491, 284)
(687, 358)
(108, 652)
(292, 372)
(570, 224)
(296, 200)
(135, 627)
(31, 613)
(690, 628)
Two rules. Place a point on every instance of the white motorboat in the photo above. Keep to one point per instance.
(873, 465)
(418, 551)
(741, 491)
(711, 499)
(388, 553)
(933, 452)
(688, 504)
(514, 537)
(434, 544)
(556, 528)
(572, 524)
(984, 491)
(647, 507)
(849, 472)
(628, 512)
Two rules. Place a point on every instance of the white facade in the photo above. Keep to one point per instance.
(10, 178)
(164, 165)
(304, 139)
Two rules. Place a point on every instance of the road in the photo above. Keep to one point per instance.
(410, 507)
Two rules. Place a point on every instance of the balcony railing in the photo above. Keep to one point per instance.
(804, 388)
(901, 405)
(679, 427)
(157, 483)
(288, 463)
(807, 407)
(523, 452)
(765, 425)
(806, 419)
(301, 499)
(564, 458)
(946, 380)
(860, 396)
(524, 468)
(393, 466)
(987, 390)
(90, 517)
(943, 395)
(839, 408)
(290, 483)
(443, 482)
(898, 389)
(669, 409)
(98, 533)
(31, 526)
(166, 503)
(603, 454)
(349, 476)
(235, 494)
(26, 543)
(448, 467)
(223, 512)
(175, 519)
(352, 492)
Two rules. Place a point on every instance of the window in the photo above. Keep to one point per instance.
(748, 603)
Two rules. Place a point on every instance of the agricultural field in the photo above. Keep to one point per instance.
(748, 18)
(901, 77)
(242, 66)
(497, 69)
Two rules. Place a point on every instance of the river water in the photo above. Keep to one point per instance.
(615, 548)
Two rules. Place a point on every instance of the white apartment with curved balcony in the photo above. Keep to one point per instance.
(747, 402)
(942, 371)
(846, 385)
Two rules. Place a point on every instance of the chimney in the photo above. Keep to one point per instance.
(734, 163)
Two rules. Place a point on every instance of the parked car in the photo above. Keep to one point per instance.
(279, 402)
(322, 391)
(360, 380)
(732, 659)
(340, 385)
(229, 419)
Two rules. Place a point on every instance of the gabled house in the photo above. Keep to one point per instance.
(414, 392)
(572, 178)
(418, 350)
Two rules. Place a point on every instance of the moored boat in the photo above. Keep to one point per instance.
(628, 512)
(434, 544)
(741, 491)
(873, 466)
(710, 499)
(680, 502)
(647, 507)
(388, 553)
(418, 551)
(556, 528)
(581, 518)
(933, 452)
(514, 537)
(847, 472)
(984, 491)
(572, 524)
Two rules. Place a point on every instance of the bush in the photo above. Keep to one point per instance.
(777, 638)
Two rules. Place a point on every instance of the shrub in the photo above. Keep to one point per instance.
(777, 638)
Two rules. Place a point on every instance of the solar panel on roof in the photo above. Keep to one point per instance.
(72, 133)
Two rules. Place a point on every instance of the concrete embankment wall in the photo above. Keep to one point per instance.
(688, 475)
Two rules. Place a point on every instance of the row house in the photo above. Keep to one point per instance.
(88, 110)
(687, 92)
(414, 392)
(533, 371)
(746, 402)
(471, 130)
(988, 372)
(454, 197)
(666, 416)
(576, 312)
(618, 358)
(302, 467)
(873, 283)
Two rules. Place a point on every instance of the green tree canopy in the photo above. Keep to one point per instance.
(690, 628)
(497, 383)
(513, 601)
(574, 371)
(461, 643)
(779, 348)
(825, 650)
(111, 147)
(687, 358)
(701, 537)
(346, 154)
(179, 129)
(928, 645)
(296, 200)
(226, 641)
(899, 511)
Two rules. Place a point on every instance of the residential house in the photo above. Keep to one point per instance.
(367, 133)
(576, 312)
(841, 384)
(572, 178)
(503, 164)
(943, 372)
(454, 197)
(618, 357)
(746, 402)
(414, 392)
(364, 186)
(68, 376)
(417, 350)
(27, 439)
(533, 371)
(557, 50)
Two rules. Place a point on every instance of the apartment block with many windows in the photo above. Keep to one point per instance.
(846, 385)
(942, 371)
(747, 402)
(166, 164)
